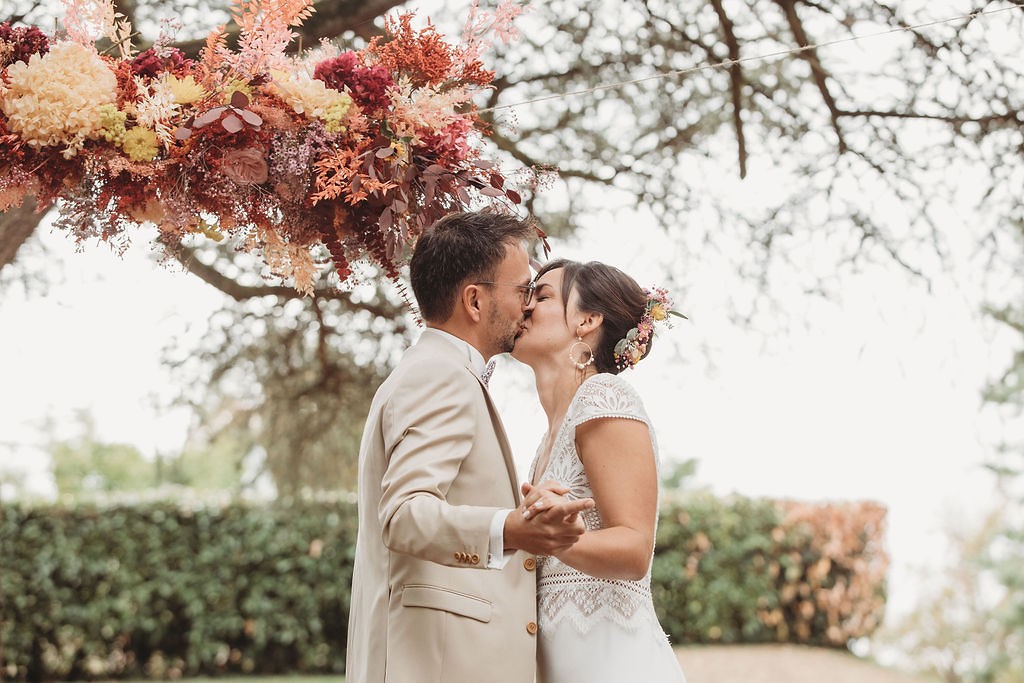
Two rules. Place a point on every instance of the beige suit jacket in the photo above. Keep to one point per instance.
(434, 467)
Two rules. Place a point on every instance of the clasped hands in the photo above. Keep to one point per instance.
(546, 522)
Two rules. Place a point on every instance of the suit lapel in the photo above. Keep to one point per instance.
(438, 345)
(506, 449)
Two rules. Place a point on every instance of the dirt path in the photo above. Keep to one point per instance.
(782, 664)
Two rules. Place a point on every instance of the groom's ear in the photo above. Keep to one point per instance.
(470, 302)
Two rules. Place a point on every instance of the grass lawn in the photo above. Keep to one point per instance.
(711, 664)
(254, 679)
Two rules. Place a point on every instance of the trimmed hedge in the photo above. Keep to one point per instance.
(742, 570)
(163, 591)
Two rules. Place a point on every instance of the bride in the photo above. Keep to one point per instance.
(586, 323)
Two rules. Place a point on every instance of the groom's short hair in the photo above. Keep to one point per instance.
(457, 249)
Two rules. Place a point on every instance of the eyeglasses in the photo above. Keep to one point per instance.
(527, 290)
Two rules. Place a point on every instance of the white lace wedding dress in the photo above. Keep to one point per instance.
(591, 629)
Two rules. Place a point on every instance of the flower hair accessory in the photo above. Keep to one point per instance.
(629, 350)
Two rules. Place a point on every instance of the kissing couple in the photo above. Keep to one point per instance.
(462, 575)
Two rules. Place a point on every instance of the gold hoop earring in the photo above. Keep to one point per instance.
(585, 358)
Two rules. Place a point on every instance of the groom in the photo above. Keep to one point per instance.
(443, 589)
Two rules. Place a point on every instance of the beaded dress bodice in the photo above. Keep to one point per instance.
(564, 592)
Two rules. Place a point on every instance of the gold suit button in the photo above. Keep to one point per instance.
(530, 564)
(474, 559)
(459, 556)
(531, 628)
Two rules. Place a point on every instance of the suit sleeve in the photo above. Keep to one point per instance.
(428, 429)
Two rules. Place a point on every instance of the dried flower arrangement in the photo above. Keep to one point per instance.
(352, 151)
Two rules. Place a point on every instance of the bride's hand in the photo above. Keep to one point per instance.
(541, 497)
(549, 496)
(549, 523)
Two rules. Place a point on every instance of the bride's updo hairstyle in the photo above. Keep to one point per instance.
(606, 290)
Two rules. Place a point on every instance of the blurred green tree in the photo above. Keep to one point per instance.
(970, 627)
(293, 382)
(1004, 553)
(677, 476)
(86, 465)
(967, 626)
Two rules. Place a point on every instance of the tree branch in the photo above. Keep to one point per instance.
(16, 226)
(817, 70)
(695, 41)
(321, 340)
(736, 80)
(509, 146)
(506, 145)
(240, 292)
(983, 121)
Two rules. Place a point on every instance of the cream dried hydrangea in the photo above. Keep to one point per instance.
(58, 98)
(311, 97)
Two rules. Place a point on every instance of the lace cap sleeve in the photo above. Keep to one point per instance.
(606, 395)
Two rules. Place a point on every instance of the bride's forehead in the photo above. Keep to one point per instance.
(552, 278)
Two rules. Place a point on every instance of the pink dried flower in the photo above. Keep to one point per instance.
(450, 144)
(368, 85)
(245, 166)
(480, 23)
(87, 20)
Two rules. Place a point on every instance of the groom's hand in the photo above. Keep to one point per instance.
(546, 523)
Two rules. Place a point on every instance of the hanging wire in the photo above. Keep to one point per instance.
(730, 62)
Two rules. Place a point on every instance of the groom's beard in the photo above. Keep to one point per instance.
(504, 331)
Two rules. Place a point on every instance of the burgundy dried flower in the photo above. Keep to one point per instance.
(19, 43)
(366, 84)
(152, 64)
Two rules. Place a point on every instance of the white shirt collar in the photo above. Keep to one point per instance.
(475, 357)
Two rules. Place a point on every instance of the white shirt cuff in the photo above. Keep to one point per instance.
(497, 558)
